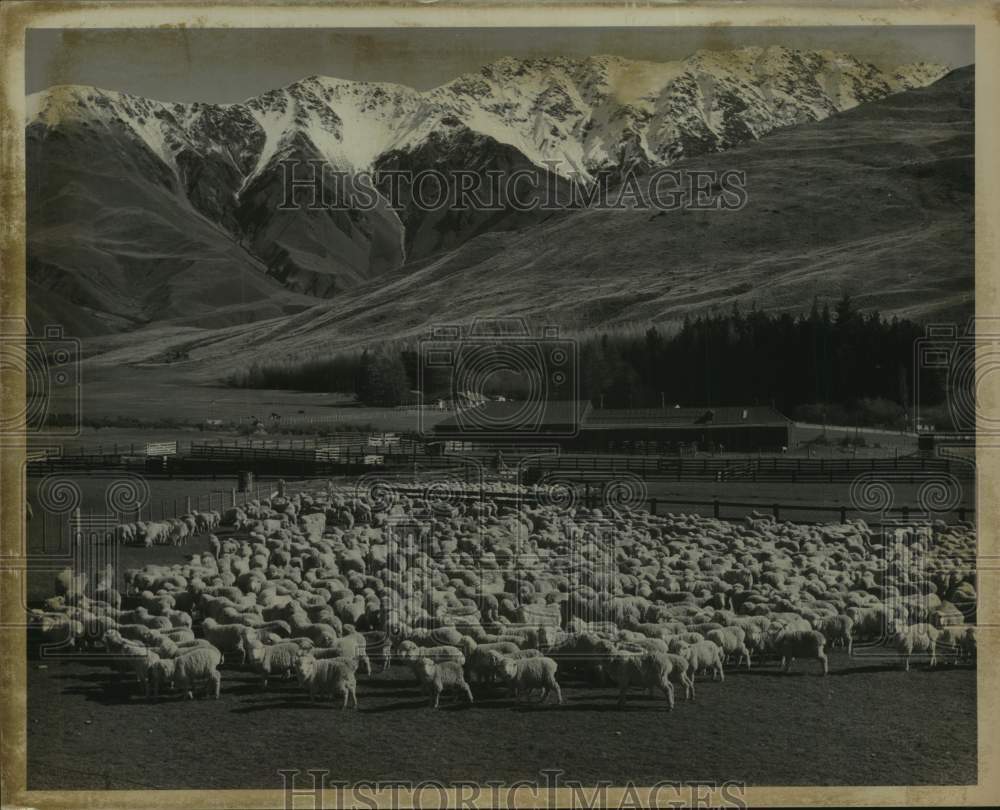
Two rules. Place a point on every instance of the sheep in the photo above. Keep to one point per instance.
(480, 661)
(278, 627)
(792, 644)
(126, 533)
(704, 655)
(352, 647)
(527, 674)
(162, 674)
(954, 642)
(177, 618)
(917, 638)
(140, 633)
(179, 634)
(650, 669)
(682, 580)
(435, 677)
(333, 676)
(56, 629)
(679, 674)
(276, 659)
(408, 651)
(70, 585)
(731, 640)
(229, 638)
(197, 664)
(140, 660)
(838, 630)
(182, 646)
(379, 647)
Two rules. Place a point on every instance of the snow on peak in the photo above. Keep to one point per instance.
(586, 113)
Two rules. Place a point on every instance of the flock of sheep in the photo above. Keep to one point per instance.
(325, 585)
(177, 530)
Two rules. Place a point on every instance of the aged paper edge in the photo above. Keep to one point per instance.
(15, 17)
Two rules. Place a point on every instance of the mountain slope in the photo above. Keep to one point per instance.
(127, 191)
(877, 202)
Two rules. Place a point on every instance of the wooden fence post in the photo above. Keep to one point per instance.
(777, 512)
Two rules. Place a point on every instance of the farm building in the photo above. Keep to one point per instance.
(579, 426)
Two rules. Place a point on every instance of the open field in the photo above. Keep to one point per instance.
(156, 392)
(867, 723)
(153, 393)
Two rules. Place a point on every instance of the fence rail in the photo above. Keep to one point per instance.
(352, 453)
(751, 469)
(591, 495)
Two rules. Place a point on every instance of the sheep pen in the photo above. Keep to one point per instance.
(420, 574)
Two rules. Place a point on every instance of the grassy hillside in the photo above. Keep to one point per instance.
(876, 201)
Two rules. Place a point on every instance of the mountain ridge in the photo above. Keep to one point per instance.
(875, 201)
(199, 168)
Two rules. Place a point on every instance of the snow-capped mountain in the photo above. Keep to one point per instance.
(575, 117)
(580, 112)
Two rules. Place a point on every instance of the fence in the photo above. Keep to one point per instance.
(595, 495)
(791, 511)
(751, 469)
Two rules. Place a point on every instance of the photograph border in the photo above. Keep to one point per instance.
(17, 16)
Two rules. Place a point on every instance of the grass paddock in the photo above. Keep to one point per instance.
(867, 723)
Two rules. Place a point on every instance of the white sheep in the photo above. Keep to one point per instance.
(792, 644)
(229, 638)
(732, 641)
(527, 674)
(408, 651)
(679, 674)
(56, 629)
(651, 670)
(192, 666)
(179, 634)
(274, 659)
(351, 646)
(139, 632)
(704, 655)
(481, 660)
(838, 629)
(141, 661)
(917, 638)
(333, 676)
(437, 677)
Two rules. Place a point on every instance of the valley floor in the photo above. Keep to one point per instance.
(867, 723)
